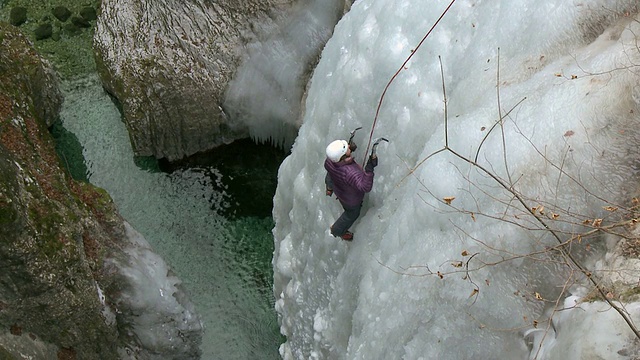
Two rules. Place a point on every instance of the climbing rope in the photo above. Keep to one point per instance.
(375, 119)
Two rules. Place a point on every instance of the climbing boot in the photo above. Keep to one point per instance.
(347, 236)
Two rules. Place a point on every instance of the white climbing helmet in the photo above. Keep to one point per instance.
(336, 149)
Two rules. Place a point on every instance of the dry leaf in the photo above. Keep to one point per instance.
(473, 217)
(610, 208)
(448, 199)
(538, 296)
(586, 222)
(568, 133)
(482, 128)
(535, 324)
(555, 216)
(457, 264)
(574, 77)
(558, 75)
(597, 223)
(609, 295)
(465, 253)
(541, 210)
(474, 292)
(440, 275)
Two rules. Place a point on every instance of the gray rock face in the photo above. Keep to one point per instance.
(168, 63)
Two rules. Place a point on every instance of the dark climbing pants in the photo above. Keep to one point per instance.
(348, 217)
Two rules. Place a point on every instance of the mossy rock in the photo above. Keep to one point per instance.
(43, 31)
(61, 13)
(70, 47)
(8, 214)
(88, 13)
(18, 16)
(71, 29)
(80, 22)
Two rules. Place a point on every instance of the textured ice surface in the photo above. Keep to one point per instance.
(567, 78)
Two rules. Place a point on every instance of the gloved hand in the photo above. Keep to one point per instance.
(352, 146)
(373, 162)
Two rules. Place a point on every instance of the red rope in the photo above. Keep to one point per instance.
(375, 119)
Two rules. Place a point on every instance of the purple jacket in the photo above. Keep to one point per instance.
(350, 181)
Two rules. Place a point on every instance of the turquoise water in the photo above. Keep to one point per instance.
(193, 215)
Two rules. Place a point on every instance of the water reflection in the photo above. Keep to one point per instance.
(245, 172)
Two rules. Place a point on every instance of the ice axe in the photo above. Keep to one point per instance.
(352, 145)
(375, 145)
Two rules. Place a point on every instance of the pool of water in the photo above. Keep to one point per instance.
(208, 216)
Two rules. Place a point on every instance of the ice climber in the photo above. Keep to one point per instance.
(349, 182)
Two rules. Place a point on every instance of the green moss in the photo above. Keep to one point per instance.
(88, 13)
(104, 200)
(18, 15)
(47, 221)
(7, 213)
(72, 53)
(61, 13)
(43, 31)
(97, 199)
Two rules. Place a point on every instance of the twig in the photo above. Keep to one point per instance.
(375, 119)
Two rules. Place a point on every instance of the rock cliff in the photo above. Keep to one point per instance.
(169, 63)
(64, 250)
(52, 227)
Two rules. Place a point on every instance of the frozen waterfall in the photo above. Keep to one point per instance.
(467, 277)
(265, 93)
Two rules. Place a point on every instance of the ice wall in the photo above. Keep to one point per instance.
(568, 80)
(154, 309)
